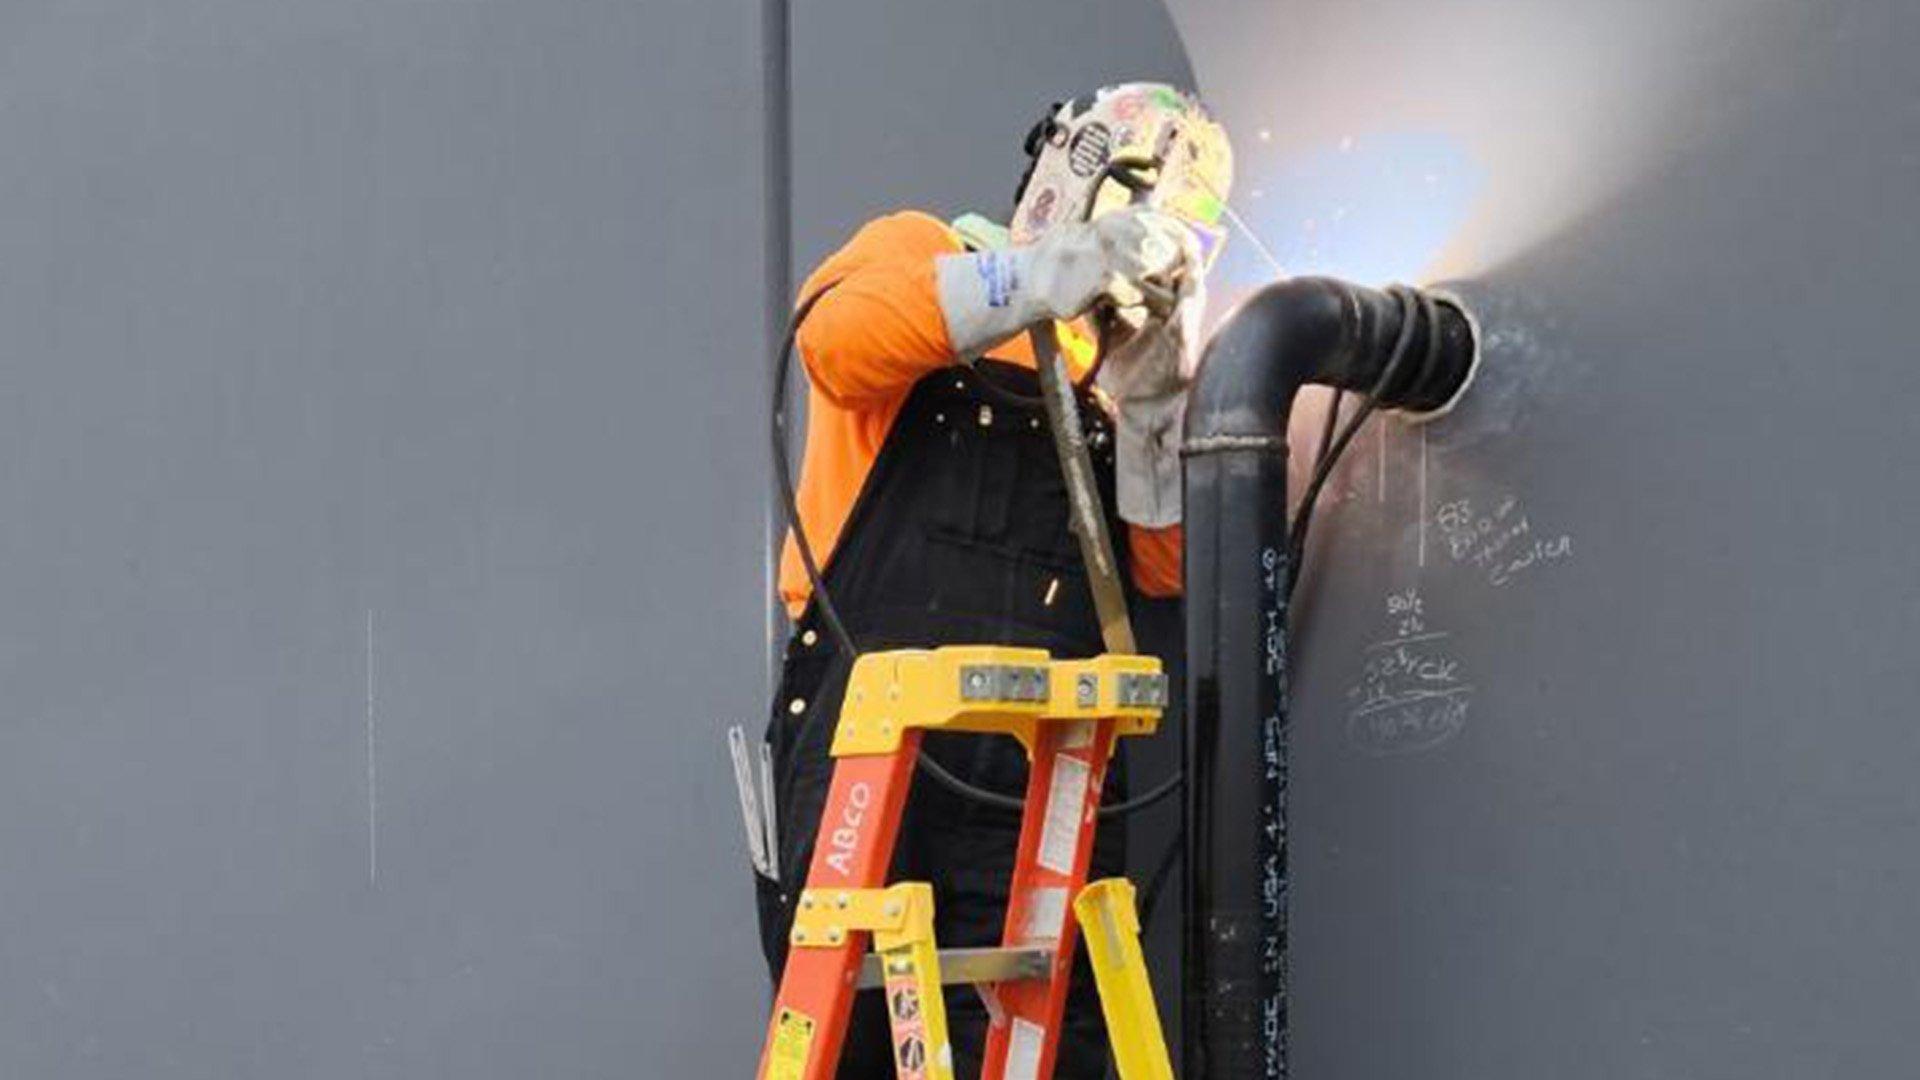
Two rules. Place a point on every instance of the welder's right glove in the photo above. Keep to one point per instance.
(1128, 257)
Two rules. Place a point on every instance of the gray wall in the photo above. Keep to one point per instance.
(447, 312)
(1646, 805)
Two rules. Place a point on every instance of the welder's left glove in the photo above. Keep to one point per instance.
(1151, 355)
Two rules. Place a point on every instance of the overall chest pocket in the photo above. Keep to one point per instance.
(997, 542)
(1003, 490)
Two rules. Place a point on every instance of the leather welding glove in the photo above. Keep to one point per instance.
(989, 296)
(1150, 360)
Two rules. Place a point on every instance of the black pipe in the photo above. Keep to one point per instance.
(776, 59)
(1295, 332)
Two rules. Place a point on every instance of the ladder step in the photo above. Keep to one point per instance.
(987, 965)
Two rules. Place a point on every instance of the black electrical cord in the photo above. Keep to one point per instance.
(1326, 428)
(1323, 457)
(1157, 881)
(1412, 302)
(830, 615)
(783, 474)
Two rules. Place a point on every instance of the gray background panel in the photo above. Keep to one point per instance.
(424, 310)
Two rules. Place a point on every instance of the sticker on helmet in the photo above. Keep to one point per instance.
(1168, 98)
(1041, 214)
(1088, 152)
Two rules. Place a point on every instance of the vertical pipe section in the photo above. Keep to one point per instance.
(1234, 944)
(776, 52)
(1235, 936)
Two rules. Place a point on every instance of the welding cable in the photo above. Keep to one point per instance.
(1327, 435)
(822, 599)
(830, 615)
(783, 474)
(1157, 881)
(1412, 303)
(1326, 429)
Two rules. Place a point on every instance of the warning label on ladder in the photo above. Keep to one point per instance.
(1066, 802)
(792, 1041)
(1023, 1050)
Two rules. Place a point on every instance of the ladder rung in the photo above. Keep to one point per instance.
(988, 965)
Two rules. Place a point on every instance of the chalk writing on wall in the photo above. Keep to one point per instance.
(1411, 695)
(1499, 542)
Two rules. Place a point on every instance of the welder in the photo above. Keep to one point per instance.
(932, 502)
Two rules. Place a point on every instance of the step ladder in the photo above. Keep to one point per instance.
(1067, 713)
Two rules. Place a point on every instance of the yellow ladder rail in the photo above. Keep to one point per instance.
(1110, 926)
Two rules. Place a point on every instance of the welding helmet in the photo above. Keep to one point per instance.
(1136, 143)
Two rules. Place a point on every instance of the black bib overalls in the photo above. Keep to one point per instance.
(959, 537)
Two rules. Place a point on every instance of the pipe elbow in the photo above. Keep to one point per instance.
(1267, 349)
(1329, 332)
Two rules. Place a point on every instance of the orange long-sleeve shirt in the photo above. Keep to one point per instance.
(865, 345)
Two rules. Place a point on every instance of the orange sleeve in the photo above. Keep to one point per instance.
(880, 328)
(864, 345)
(1156, 559)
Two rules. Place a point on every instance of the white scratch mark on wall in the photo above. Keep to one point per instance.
(1423, 498)
(373, 776)
(1382, 428)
